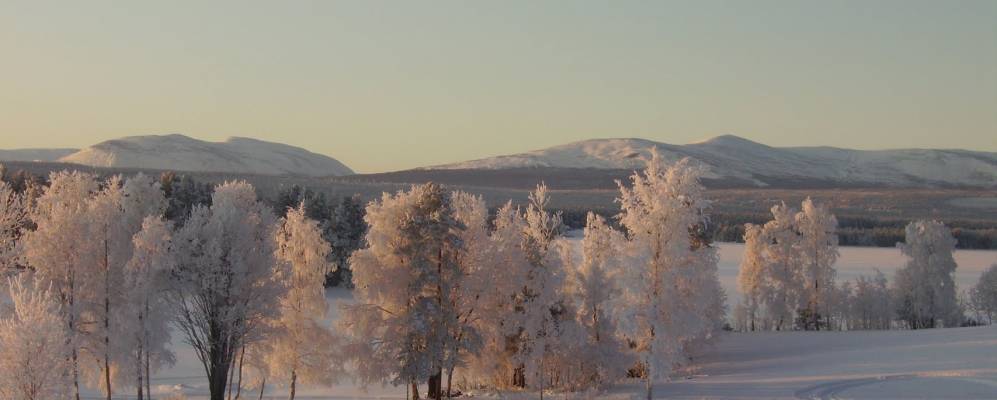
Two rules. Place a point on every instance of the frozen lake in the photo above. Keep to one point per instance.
(856, 261)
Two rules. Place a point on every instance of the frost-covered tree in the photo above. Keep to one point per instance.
(984, 294)
(670, 290)
(183, 193)
(13, 222)
(302, 349)
(225, 278)
(924, 289)
(784, 268)
(753, 279)
(818, 252)
(33, 345)
(345, 232)
(399, 327)
(869, 303)
(601, 357)
(146, 313)
(499, 312)
(114, 215)
(540, 297)
(55, 248)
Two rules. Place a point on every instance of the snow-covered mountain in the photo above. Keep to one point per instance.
(733, 158)
(182, 153)
(35, 154)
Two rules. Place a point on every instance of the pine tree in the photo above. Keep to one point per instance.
(400, 323)
(13, 223)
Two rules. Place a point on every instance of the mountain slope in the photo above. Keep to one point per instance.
(735, 158)
(182, 153)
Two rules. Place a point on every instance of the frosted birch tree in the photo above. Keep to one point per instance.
(602, 357)
(818, 253)
(499, 314)
(984, 294)
(115, 214)
(753, 280)
(925, 286)
(302, 349)
(147, 313)
(784, 271)
(55, 250)
(34, 342)
(665, 301)
(540, 296)
(225, 279)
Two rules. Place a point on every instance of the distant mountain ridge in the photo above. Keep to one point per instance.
(182, 153)
(35, 154)
(732, 158)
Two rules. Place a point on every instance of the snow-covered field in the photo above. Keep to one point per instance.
(928, 364)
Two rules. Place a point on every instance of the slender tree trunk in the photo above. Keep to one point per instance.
(145, 339)
(449, 382)
(263, 385)
(647, 379)
(148, 378)
(231, 380)
(76, 374)
(415, 390)
(294, 383)
(107, 319)
(139, 386)
(542, 377)
(238, 386)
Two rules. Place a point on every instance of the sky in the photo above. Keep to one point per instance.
(389, 85)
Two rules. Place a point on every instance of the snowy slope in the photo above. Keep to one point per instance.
(179, 152)
(35, 154)
(733, 157)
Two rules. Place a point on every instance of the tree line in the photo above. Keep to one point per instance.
(787, 277)
(100, 268)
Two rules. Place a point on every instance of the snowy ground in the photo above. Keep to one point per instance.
(929, 364)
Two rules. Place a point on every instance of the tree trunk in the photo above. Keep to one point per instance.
(139, 385)
(217, 379)
(449, 382)
(263, 385)
(238, 387)
(415, 391)
(107, 319)
(294, 382)
(148, 378)
(435, 383)
(647, 380)
(76, 373)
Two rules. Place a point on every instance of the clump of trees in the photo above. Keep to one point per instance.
(102, 269)
(787, 277)
(787, 273)
(510, 304)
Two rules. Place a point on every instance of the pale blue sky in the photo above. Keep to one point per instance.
(389, 85)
